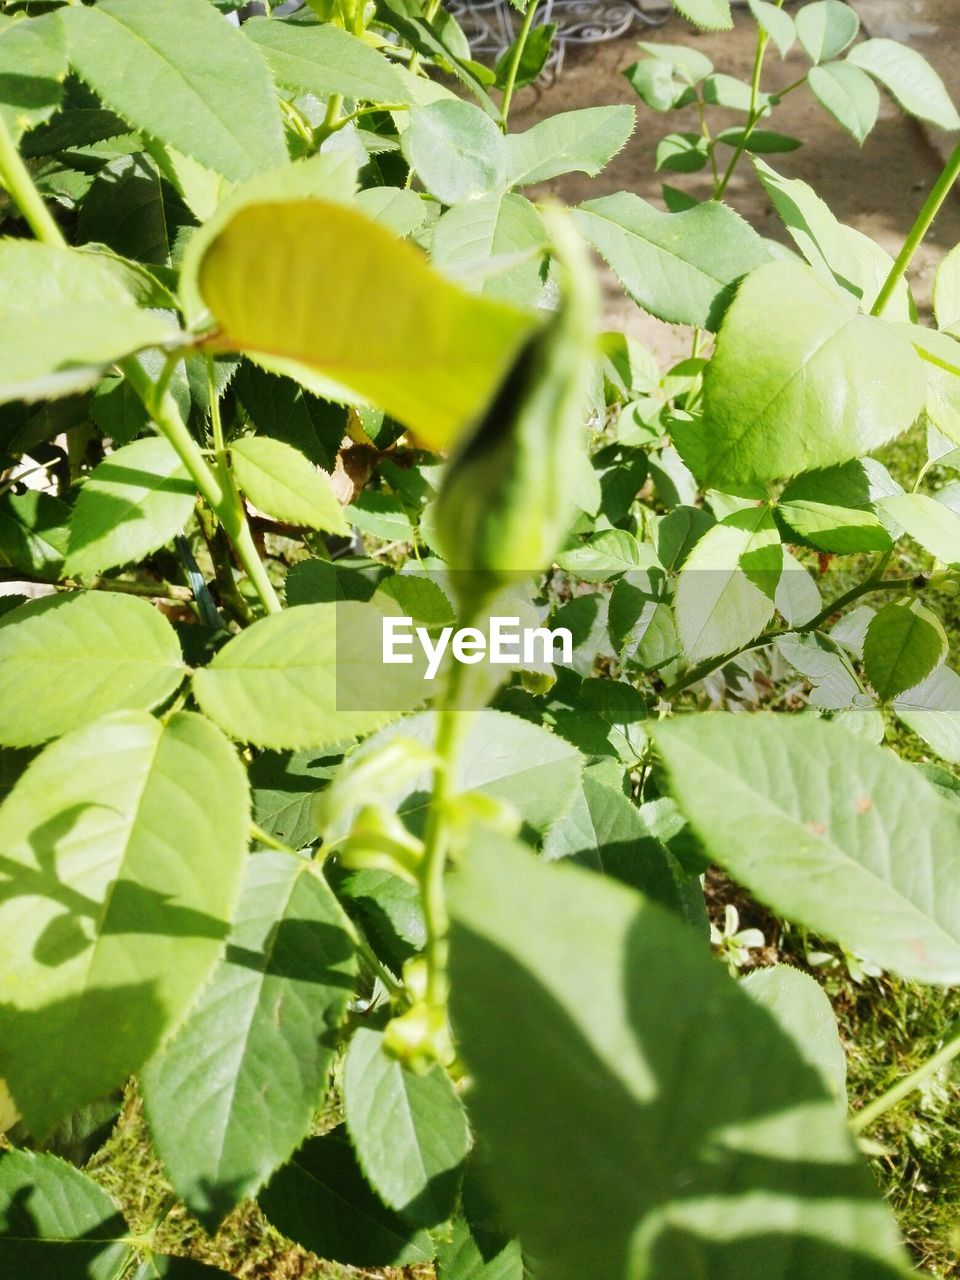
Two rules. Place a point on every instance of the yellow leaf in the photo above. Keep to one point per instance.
(317, 291)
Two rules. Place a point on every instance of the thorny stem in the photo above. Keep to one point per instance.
(918, 231)
(515, 61)
(895, 1095)
(753, 118)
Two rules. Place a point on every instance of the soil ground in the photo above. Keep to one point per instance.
(877, 188)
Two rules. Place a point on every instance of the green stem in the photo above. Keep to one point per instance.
(707, 668)
(16, 178)
(513, 69)
(918, 231)
(753, 118)
(887, 1101)
(221, 499)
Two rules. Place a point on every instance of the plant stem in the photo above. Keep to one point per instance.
(918, 231)
(753, 118)
(223, 500)
(707, 668)
(513, 69)
(887, 1101)
(16, 178)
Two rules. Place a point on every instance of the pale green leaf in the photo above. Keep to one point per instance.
(777, 23)
(123, 847)
(835, 251)
(690, 64)
(69, 659)
(908, 76)
(713, 15)
(582, 141)
(280, 481)
(848, 94)
(56, 1223)
(604, 556)
(904, 643)
(726, 587)
(657, 1062)
(932, 711)
(833, 509)
(681, 267)
(825, 28)
(133, 502)
(308, 677)
(322, 1200)
(409, 1131)
(790, 391)
(300, 285)
(33, 67)
(828, 830)
(931, 523)
(456, 151)
(804, 1012)
(151, 63)
(495, 246)
(231, 1096)
(324, 59)
(400, 210)
(946, 293)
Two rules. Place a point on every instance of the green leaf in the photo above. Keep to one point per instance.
(164, 1267)
(477, 1248)
(786, 393)
(946, 293)
(848, 94)
(778, 25)
(292, 679)
(133, 211)
(283, 786)
(681, 153)
(931, 523)
(645, 1036)
(908, 76)
(289, 282)
(932, 711)
(823, 663)
(33, 67)
(726, 587)
(533, 57)
(825, 28)
(759, 141)
(323, 59)
(495, 246)
(713, 15)
(456, 151)
(804, 1012)
(234, 1093)
(281, 409)
(409, 1131)
(678, 266)
(151, 64)
(34, 528)
(653, 80)
(133, 502)
(604, 556)
(836, 252)
(123, 847)
(691, 65)
(321, 1200)
(69, 659)
(833, 509)
(518, 763)
(401, 211)
(55, 1223)
(903, 645)
(282, 482)
(811, 820)
(582, 141)
(605, 832)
